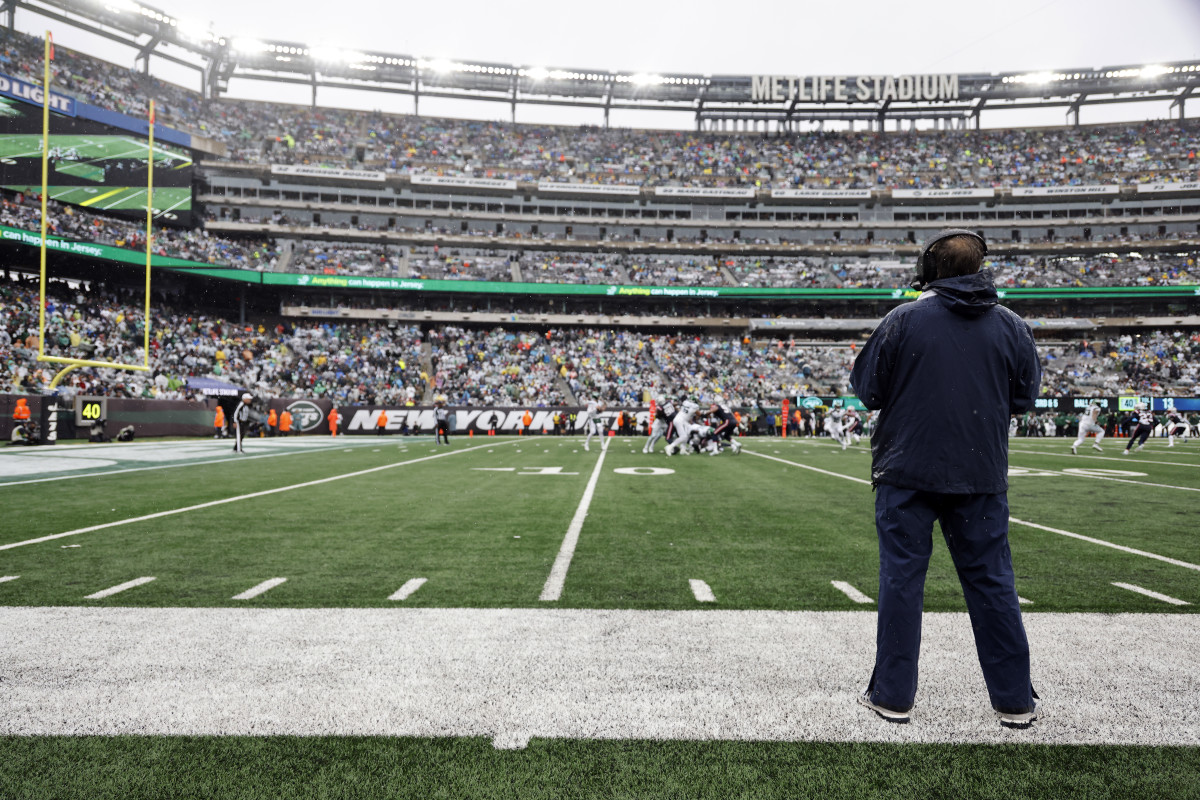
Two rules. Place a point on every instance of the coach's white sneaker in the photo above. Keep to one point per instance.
(1018, 721)
(1125, 452)
(890, 715)
(1097, 448)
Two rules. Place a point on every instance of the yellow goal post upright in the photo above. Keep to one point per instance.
(73, 363)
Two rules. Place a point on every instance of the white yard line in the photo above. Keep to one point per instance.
(702, 591)
(255, 591)
(7, 578)
(223, 501)
(1110, 478)
(120, 200)
(1148, 593)
(1012, 520)
(1103, 543)
(1098, 457)
(120, 587)
(222, 460)
(552, 591)
(806, 466)
(851, 592)
(407, 589)
(509, 674)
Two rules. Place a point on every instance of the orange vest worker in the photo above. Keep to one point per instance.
(381, 426)
(333, 421)
(219, 422)
(21, 412)
(527, 420)
(272, 421)
(285, 422)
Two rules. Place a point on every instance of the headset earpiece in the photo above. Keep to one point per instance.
(926, 267)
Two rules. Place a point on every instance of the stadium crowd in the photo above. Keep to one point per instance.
(388, 363)
(271, 133)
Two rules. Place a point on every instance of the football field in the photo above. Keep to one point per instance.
(519, 617)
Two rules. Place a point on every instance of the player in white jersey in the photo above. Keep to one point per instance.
(1089, 422)
(683, 428)
(1012, 427)
(664, 412)
(592, 423)
(833, 424)
(1177, 423)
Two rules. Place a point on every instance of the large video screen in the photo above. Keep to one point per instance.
(93, 165)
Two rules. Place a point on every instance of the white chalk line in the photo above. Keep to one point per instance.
(225, 500)
(7, 578)
(1148, 593)
(1013, 520)
(1053, 454)
(255, 591)
(118, 588)
(552, 591)
(702, 591)
(221, 460)
(1110, 478)
(407, 589)
(851, 592)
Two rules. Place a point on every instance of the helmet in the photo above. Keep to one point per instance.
(247, 397)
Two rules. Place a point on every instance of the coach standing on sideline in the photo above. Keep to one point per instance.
(947, 371)
(241, 421)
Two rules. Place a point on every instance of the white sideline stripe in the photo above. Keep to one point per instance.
(1165, 598)
(165, 466)
(851, 592)
(255, 591)
(1014, 520)
(702, 591)
(252, 495)
(120, 587)
(1111, 478)
(408, 588)
(1103, 543)
(701, 674)
(7, 578)
(558, 573)
(1023, 601)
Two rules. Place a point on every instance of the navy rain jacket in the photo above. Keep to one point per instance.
(947, 371)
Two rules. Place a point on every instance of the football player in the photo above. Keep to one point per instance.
(592, 423)
(664, 414)
(1089, 422)
(1141, 422)
(1177, 424)
(683, 428)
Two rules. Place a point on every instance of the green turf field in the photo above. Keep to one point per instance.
(363, 526)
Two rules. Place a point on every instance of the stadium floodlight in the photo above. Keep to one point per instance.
(1154, 70)
(122, 6)
(537, 73)
(194, 29)
(645, 79)
(337, 55)
(245, 45)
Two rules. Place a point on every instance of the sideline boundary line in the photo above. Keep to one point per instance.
(223, 501)
(558, 573)
(1011, 519)
(224, 460)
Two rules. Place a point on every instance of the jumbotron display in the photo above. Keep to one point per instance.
(93, 165)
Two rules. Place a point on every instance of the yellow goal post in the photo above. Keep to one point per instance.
(73, 363)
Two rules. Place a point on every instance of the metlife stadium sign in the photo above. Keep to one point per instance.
(851, 88)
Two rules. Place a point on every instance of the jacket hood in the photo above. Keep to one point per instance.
(968, 295)
(21, 401)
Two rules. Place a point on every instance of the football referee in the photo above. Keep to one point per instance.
(241, 422)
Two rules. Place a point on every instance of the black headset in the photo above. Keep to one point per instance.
(927, 267)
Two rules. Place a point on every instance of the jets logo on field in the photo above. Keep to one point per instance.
(307, 415)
